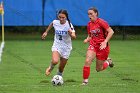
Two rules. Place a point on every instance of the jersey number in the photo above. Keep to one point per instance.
(60, 37)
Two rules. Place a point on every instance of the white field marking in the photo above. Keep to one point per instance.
(1, 50)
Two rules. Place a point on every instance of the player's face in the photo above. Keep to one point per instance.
(92, 15)
(62, 18)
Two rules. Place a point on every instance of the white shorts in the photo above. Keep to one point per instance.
(63, 51)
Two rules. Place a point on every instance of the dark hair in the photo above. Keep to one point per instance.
(94, 9)
(62, 11)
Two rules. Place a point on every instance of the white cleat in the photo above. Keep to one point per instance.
(84, 83)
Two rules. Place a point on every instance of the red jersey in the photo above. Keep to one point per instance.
(97, 31)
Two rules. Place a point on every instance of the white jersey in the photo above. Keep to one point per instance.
(62, 37)
(62, 40)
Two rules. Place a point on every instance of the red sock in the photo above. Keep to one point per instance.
(105, 65)
(86, 72)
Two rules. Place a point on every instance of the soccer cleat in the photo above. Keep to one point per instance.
(84, 83)
(48, 71)
(110, 62)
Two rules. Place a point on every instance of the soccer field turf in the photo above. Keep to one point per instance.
(22, 69)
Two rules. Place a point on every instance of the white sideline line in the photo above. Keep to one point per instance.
(1, 50)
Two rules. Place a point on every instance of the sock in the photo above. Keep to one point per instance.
(86, 73)
(105, 65)
(59, 73)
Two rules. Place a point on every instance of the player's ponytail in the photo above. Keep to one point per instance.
(69, 22)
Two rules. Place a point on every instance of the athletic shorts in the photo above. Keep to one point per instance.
(100, 54)
(63, 51)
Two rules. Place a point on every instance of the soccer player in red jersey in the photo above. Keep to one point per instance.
(99, 33)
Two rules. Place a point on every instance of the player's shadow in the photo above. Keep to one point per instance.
(70, 80)
(44, 81)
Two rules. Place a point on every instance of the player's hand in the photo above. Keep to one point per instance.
(103, 45)
(85, 41)
(70, 32)
(44, 35)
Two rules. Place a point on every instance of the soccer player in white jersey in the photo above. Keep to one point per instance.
(62, 45)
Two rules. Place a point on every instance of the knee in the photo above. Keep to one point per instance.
(88, 62)
(55, 61)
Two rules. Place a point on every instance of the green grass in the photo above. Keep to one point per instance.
(24, 61)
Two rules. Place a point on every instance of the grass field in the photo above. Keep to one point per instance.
(24, 61)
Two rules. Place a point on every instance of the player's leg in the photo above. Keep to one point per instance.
(101, 65)
(90, 55)
(65, 53)
(55, 60)
(62, 65)
(103, 61)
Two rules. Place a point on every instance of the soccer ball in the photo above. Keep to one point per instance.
(57, 80)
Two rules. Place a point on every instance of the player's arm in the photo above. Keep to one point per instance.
(110, 33)
(87, 39)
(47, 30)
(72, 34)
(89, 34)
